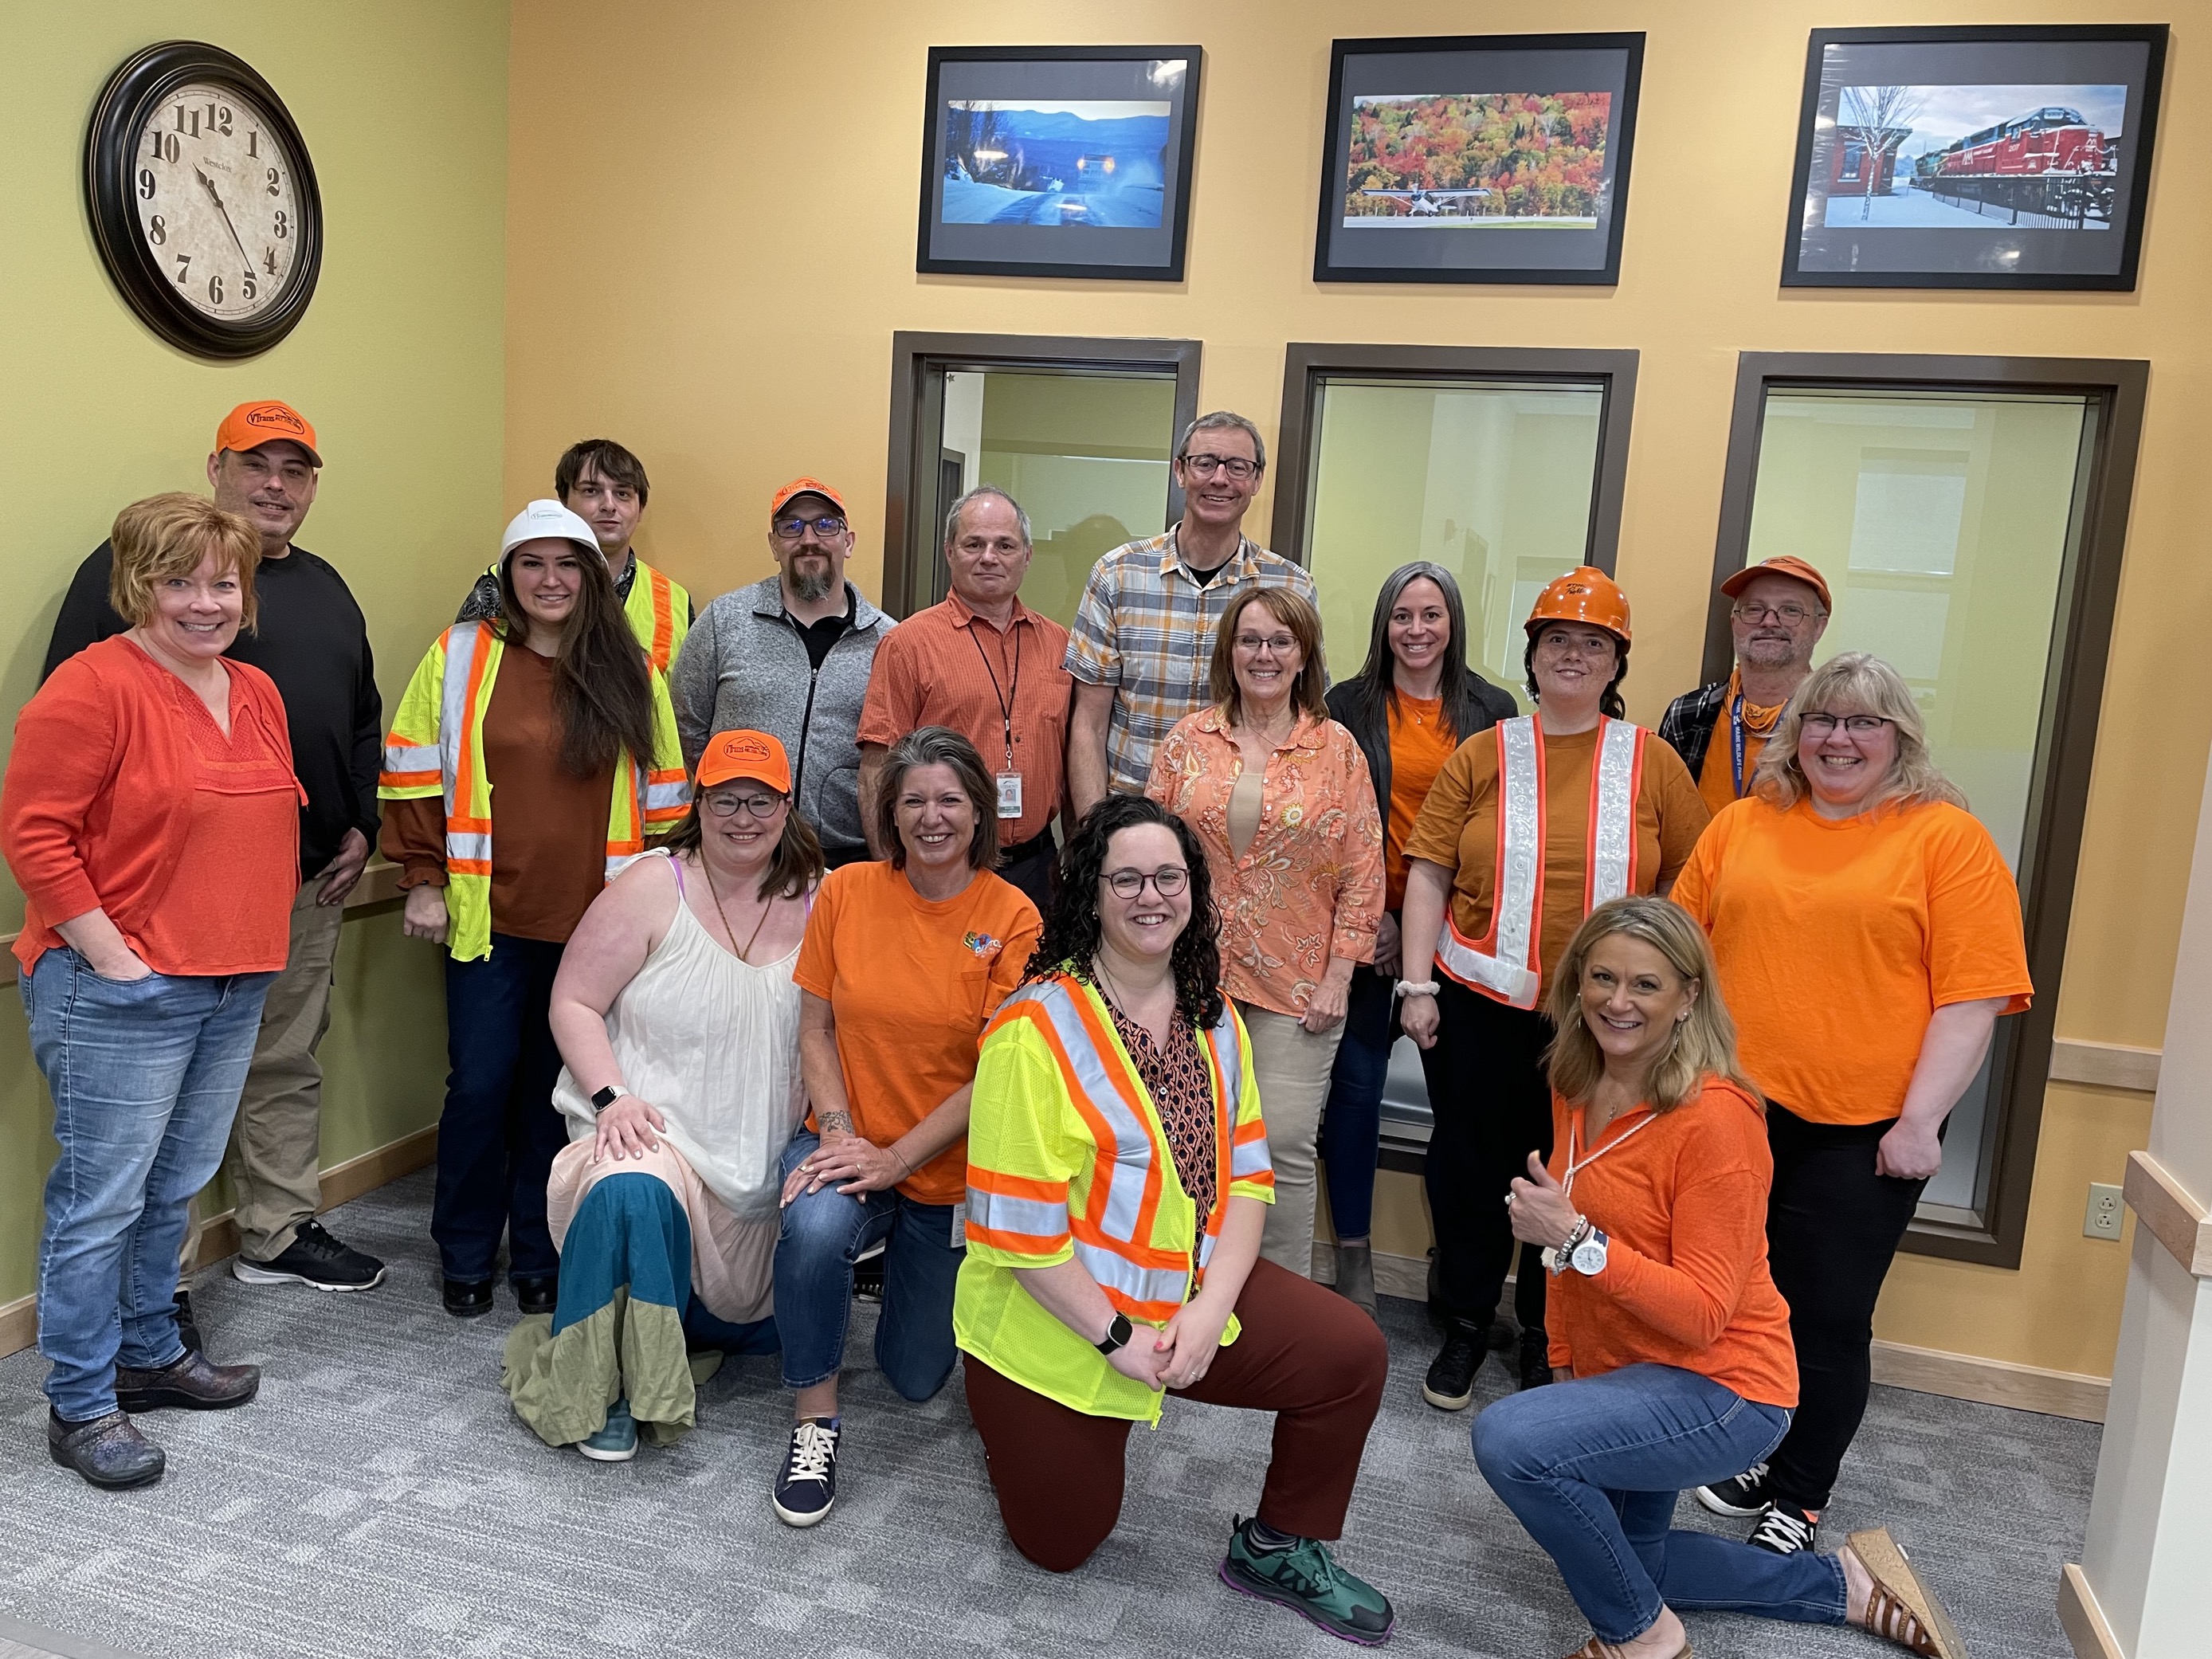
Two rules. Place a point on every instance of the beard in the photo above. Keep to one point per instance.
(813, 585)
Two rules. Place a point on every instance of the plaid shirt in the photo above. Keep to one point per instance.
(1146, 627)
(1689, 720)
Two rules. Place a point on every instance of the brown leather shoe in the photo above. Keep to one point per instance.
(193, 1382)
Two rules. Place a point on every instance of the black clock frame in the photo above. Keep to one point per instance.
(110, 147)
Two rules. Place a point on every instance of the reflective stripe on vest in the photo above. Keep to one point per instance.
(1015, 1213)
(651, 609)
(1505, 964)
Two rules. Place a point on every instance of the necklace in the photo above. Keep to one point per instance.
(746, 955)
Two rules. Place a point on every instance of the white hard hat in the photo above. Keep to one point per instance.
(544, 519)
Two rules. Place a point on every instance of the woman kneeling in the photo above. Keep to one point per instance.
(1118, 1178)
(676, 1014)
(1652, 1217)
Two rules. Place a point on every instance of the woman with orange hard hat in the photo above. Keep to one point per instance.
(1530, 826)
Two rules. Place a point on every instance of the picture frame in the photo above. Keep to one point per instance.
(1995, 157)
(1500, 158)
(1057, 162)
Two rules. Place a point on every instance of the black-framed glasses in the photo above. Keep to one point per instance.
(1280, 645)
(724, 805)
(795, 529)
(1167, 881)
(1205, 466)
(1788, 615)
(1856, 726)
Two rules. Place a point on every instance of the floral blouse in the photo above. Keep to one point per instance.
(1310, 887)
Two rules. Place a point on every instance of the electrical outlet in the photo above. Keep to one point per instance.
(2103, 1220)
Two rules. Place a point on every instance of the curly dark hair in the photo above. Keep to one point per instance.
(1070, 940)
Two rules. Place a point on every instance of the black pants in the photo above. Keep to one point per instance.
(1029, 865)
(1832, 1225)
(1493, 1107)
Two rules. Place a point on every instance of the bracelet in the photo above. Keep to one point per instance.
(1416, 987)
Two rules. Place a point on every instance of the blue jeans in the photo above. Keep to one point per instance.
(1351, 1122)
(499, 1133)
(145, 1077)
(823, 1234)
(1593, 1468)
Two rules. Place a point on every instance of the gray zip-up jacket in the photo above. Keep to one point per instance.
(744, 666)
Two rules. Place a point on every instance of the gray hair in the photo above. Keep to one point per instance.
(952, 517)
(1856, 682)
(1222, 421)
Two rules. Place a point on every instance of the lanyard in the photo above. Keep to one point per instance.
(1574, 1136)
(1736, 740)
(1005, 699)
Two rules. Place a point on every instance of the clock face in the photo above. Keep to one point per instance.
(214, 186)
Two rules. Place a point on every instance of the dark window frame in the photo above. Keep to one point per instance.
(2074, 686)
(919, 362)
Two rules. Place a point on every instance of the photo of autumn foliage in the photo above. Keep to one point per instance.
(1477, 158)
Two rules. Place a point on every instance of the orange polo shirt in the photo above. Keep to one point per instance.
(1419, 746)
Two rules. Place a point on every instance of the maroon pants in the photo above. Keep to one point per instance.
(1305, 1353)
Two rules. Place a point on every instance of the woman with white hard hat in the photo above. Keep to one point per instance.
(1529, 827)
(550, 708)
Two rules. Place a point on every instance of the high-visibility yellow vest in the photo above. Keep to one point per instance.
(1066, 1158)
(435, 747)
(659, 613)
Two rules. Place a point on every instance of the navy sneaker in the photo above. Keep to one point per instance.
(806, 1486)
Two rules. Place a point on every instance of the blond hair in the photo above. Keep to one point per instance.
(168, 535)
(1856, 683)
(1309, 692)
(1703, 1045)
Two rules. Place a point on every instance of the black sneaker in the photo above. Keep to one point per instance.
(1744, 1496)
(1785, 1529)
(188, 1330)
(1536, 1358)
(312, 1258)
(806, 1486)
(868, 1276)
(1449, 1386)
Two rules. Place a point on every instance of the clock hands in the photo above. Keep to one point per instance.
(212, 195)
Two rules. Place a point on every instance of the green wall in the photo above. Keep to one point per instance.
(399, 362)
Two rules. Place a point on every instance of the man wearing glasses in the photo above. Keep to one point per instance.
(1781, 608)
(790, 656)
(1143, 640)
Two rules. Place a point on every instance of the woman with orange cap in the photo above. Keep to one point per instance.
(1528, 827)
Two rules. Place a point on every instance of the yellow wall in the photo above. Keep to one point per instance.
(711, 266)
(399, 362)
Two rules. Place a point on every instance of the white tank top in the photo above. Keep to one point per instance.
(713, 1041)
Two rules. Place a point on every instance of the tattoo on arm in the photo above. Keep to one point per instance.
(837, 1123)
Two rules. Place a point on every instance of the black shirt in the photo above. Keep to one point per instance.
(819, 636)
(313, 641)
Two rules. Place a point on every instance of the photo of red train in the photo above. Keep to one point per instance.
(2052, 163)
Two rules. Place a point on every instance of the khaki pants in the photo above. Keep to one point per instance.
(275, 1143)
(1292, 1066)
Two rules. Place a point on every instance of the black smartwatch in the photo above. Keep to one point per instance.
(607, 1097)
(1117, 1333)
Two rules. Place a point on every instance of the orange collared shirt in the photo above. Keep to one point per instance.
(1310, 887)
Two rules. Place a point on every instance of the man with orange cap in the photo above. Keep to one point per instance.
(1779, 610)
(1528, 827)
(791, 656)
(313, 641)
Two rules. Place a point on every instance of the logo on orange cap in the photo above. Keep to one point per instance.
(803, 487)
(1584, 594)
(252, 425)
(745, 754)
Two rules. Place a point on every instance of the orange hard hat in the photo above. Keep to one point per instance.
(1584, 594)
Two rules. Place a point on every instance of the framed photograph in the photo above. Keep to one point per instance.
(1485, 158)
(1974, 157)
(1058, 160)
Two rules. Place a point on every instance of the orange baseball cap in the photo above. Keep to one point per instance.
(1783, 564)
(252, 425)
(745, 754)
(1584, 594)
(782, 497)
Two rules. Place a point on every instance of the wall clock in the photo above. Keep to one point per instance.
(202, 199)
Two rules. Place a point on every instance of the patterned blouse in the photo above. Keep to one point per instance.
(1310, 887)
(1175, 1080)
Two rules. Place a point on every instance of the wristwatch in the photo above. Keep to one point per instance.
(1587, 1258)
(607, 1097)
(1117, 1333)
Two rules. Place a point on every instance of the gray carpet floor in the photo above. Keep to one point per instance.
(379, 1499)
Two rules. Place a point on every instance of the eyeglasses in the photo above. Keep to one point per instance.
(1205, 466)
(1787, 615)
(827, 525)
(1167, 881)
(726, 806)
(1252, 645)
(1856, 726)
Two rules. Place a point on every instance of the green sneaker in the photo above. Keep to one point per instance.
(616, 1441)
(1307, 1580)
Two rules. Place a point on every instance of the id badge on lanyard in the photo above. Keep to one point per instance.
(1010, 793)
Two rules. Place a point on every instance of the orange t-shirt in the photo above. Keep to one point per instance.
(912, 982)
(1838, 940)
(1681, 1198)
(1458, 828)
(1419, 746)
(1717, 778)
